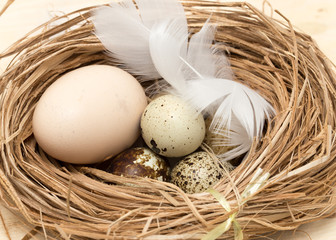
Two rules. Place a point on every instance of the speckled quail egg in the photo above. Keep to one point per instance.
(196, 173)
(171, 127)
(138, 162)
(216, 140)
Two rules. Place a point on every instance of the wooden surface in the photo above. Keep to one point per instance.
(315, 17)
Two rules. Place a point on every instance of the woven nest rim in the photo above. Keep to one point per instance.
(297, 151)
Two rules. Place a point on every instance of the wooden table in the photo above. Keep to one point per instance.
(316, 18)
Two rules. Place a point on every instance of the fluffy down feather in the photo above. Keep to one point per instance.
(153, 41)
(124, 30)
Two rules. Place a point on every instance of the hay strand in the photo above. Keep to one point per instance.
(6, 6)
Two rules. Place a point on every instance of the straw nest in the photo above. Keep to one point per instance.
(80, 202)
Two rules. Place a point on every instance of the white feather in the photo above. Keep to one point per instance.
(193, 71)
(173, 35)
(153, 42)
(124, 30)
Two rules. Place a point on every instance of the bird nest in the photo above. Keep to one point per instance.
(287, 179)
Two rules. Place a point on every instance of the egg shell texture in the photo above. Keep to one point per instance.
(89, 114)
(140, 162)
(171, 127)
(196, 173)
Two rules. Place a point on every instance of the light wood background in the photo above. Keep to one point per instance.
(315, 17)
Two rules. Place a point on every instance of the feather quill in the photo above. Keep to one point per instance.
(194, 68)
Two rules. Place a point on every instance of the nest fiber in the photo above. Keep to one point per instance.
(287, 178)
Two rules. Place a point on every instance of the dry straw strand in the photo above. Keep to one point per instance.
(80, 202)
(4, 8)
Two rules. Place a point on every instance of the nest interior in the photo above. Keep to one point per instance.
(81, 202)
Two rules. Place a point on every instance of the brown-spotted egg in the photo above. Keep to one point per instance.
(138, 162)
(196, 173)
(171, 127)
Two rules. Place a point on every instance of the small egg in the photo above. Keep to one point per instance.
(216, 140)
(196, 173)
(139, 162)
(171, 127)
(89, 114)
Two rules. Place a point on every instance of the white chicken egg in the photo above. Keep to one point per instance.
(171, 127)
(89, 114)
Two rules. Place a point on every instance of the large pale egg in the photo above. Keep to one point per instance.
(171, 127)
(89, 114)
